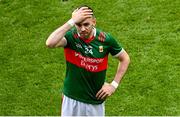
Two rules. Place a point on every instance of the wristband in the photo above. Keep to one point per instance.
(114, 84)
(71, 22)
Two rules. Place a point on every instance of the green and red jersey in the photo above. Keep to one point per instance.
(86, 64)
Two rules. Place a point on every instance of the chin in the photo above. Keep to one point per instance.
(83, 36)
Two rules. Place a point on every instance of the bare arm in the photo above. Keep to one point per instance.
(56, 38)
(108, 89)
(122, 67)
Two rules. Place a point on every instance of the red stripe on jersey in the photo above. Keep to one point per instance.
(90, 64)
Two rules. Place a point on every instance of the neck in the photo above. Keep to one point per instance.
(88, 36)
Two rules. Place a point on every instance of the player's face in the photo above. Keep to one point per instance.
(85, 28)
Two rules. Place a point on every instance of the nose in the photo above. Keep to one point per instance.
(83, 28)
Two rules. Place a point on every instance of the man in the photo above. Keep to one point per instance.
(86, 51)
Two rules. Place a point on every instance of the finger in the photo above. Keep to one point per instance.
(104, 96)
(83, 8)
(87, 10)
(87, 13)
(101, 95)
(98, 93)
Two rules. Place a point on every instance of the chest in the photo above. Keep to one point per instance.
(93, 49)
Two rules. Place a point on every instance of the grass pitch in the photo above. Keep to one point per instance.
(31, 75)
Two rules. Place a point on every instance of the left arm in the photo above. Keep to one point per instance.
(124, 61)
(108, 89)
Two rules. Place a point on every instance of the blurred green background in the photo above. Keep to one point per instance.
(31, 75)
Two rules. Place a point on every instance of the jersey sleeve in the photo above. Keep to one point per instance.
(68, 37)
(115, 48)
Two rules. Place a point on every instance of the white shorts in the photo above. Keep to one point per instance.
(71, 107)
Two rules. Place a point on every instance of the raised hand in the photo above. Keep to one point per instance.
(81, 14)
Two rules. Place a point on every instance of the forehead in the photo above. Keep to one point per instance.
(88, 20)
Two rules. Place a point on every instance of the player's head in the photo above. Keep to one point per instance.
(85, 27)
(88, 8)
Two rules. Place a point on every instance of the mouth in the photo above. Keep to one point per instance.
(83, 34)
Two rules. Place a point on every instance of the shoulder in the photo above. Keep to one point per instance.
(103, 36)
(71, 34)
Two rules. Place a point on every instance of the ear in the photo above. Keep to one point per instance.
(94, 21)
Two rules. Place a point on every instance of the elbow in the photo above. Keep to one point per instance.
(128, 60)
(49, 44)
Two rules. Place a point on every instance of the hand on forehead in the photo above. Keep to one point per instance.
(84, 9)
(81, 14)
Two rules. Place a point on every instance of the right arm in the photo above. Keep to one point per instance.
(56, 38)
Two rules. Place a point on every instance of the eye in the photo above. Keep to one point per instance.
(86, 24)
(79, 25)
